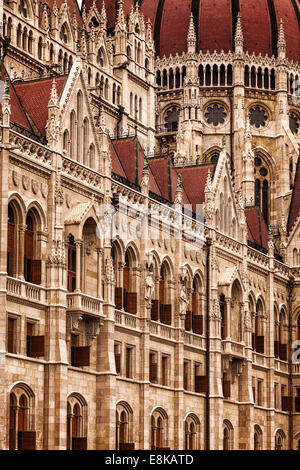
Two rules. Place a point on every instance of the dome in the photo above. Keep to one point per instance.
(214, 23)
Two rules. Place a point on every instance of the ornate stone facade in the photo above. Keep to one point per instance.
(126, 321)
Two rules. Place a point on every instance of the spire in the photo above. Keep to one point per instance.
(191, 39)
(46, 19)
(103, 15)
(281, 40)
(53, 100)
(239, 37)
(121, 17)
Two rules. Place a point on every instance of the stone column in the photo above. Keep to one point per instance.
(78, 265)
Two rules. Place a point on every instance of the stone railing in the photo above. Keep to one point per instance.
(163, 331)
(77, 301)
(127, 320)
(259, 359)
(281, 366)
(233, 348)
(25, 290)
(192, 339)
(82, 173)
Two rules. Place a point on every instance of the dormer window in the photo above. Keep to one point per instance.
(64, 33)
(100, 58)
(94, 23)
(137, 29)
(23, 9)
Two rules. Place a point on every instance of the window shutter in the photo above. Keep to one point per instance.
(118, 298)
(201, 384)
(286, 403)
(283, 352)
(28, 245)
(253, 341)
(37, 346)
(132, 302)
(276, 348)
(297, 404)
(118, 363)
(81, 356)
(194, 303)
(188, 321)
(127, 446)
(126, 273)
(153, 372)
(10, 335)
(79, 443)
(125, 298)
(166, 316)
(36, 271)
(198, 324)
(10, 237)
(260, 344)
(27, 440)
(71, 282)
(155, 310)
(226, 388)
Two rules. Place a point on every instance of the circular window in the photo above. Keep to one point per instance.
(258, 117)
(215, 114)
(263, 172)
(294, 123)
(257, 161)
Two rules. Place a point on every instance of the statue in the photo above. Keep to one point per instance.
(149, 288)
(179, 181)
(183, 302)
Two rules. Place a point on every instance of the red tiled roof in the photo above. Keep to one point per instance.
(295, 201)
(214, 20)
(194, 181)
(18, 115)
(115, 161)
(111, 9)
(34, 96)
(257, 227)
(159, 167)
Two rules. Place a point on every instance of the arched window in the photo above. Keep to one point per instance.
(40, 48)
(70, 63)
(114, 94)
(171, 79)
(24, 39)
(223, 316)
(262, 178)
(23, 8)
(140, 109)
(79, 125)
(158, 78)
(11, 241)
(100, 59)
(279, 440)
(21, 419)
(257, 438)
(30, 42)
(222, 75)
(65, 63)
(165, 78)
(171, 120)
(73, 134)
(253, 77)
(236, 322)
(131, 104)
(159, 430)
(282, 336)
(51, 54)
(106, 89)
(64, 33)
(60, 59)
(32, 261)
(66, 141)
(129, 52)
(118, 95)
(76, 423)
(124, 427)
(9, 28)
(229, 74)
(227, 436)
(71, 264)
(207, 75)
(273, 79)
(19, 35)
(129, 283)
(92, 156)
(258, 339)
(266, 79)
(215, 75)
(194, 317)
(165, 306)
(85, 141)
(259, 77)
(246, 76)
(191, 426)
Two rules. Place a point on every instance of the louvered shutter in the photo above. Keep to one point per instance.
(276, 348)
(28, 245)
(81, 356)
(118, 298)
(37, 346)
(260, 344)
(283, 352)
(226, 388)
(198, 324)
(201, 383)
(127, 446)
(132, 302)
(167, 314)
(188, 320)
(27, 440)
(153, 372)
(126, 274)
(36, 271)
(155, 310)
(10, 335)
(253, 341)
(79, 443)
(118, 363)
(10, 237)
(286, 403)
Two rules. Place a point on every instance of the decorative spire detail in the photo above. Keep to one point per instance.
(281, 38)
(239, 37)
(191, 39)
(53, 100)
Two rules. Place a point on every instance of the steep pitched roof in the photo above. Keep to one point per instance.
(18, 115)
(295, 201)
(194, 181)
(72, 4)
(34, 97)
(257, 227)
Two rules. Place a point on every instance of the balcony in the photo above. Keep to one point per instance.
(233, 349)
(167, 128)
(127, 320)
(78, 302)
(25, 290)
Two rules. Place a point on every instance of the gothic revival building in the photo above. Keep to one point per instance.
(150, 224)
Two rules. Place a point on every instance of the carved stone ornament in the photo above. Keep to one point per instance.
(16, 178)
(25, 182)
(44, 190)
(35, 186)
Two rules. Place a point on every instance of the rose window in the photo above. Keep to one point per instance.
(215, 114)
(258, 117)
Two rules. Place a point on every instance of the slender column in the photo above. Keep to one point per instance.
(78, 265)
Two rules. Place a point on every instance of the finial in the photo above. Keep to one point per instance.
(146, 163)
(281, 37)
(239, 37)
(191, 38)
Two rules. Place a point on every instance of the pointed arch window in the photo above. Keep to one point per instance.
(71, 264)
(11, 241)
(159, 431)
(262, 178)
(21, 419)
(63, 34)
(76, 423)
(32, 265)
(100, 59)
(23, 8)
(165, 306)
(40, 48)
